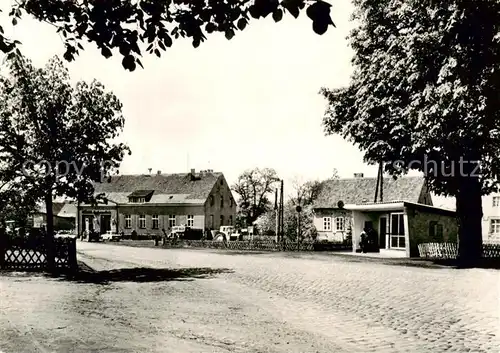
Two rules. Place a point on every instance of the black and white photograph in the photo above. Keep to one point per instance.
(249, 176)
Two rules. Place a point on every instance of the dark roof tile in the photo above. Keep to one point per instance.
(173, 184)
(362, 190)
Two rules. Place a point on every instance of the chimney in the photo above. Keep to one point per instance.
(193, 174)
(158, 172)
(150, 169)
(358, 175)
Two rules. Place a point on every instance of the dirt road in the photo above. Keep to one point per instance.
(250, 303)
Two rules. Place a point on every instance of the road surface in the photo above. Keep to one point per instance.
(253, 303)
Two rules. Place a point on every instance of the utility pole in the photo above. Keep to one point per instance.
(381, 167)
(282, 215)
(277, 211)
(298, 209)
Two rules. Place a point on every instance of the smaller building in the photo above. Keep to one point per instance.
(491, 218)
(403, 220)
(64, 214)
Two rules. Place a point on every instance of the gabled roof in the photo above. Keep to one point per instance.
(59, 209)
(362, 191)
(56, 208)
(68, 210)
(168, 188)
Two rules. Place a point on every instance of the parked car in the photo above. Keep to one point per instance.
(65, 234)
(228, 233)
(184, 232)
(111, 236)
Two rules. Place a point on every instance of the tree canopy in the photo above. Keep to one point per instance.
(424, 95)
(125, 24)
(56, 139)
(254, 188)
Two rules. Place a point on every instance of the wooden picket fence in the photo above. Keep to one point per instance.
(256, 245)
(28, 254)
(449, 251)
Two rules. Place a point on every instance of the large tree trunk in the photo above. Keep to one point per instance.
(469, 216)
(49, 241)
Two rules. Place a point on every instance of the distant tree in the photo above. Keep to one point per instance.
(424, 96)
(125, 24)
(254, 188)
(55, 139)
(304, 194)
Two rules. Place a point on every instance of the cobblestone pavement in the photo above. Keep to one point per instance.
(359, 307)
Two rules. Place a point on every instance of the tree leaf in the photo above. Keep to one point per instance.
(320, 27)
(210, 27)
(128, 63)
(277, 15)
(167, 40)
(14, 21)
(254, 11)
(106, 52)
(241, 24)
(157, 52)
(229, 34)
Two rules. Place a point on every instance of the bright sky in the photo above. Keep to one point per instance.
(227, 105)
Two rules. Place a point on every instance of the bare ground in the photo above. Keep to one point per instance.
(154, 300)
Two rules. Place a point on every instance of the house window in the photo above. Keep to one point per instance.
(230, 220)
(222, 202)
(495, 226)
(128, 221)
(496, 201)
(190, 221)
(155, 221)
(212, 200)
(231, 202)
(327, 223)
(171, 221)
(397, 231)
(435, 231)
(142, 221)
(221, 220)
(212, 221)
(339, 224)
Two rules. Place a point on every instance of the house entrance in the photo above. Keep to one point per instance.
(88, 223)
(105, 223)
(382, 232)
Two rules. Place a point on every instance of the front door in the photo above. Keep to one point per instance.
(383, 232)
(88, 223)
(105, 223)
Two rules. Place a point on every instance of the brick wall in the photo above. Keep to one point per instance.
(419, 223)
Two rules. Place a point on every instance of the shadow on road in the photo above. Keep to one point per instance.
(140, 274)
